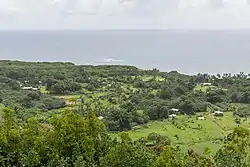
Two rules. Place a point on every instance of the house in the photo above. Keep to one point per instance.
(101, 118)
(175, 110)
(172, 116)
(201, 118)
(218, 113)
(27, 88)
(206, 84)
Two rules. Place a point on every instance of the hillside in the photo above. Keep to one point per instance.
(155, 108)
(41, 89)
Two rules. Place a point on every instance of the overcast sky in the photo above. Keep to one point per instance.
(115, 14)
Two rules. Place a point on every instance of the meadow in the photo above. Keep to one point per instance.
(189, 132)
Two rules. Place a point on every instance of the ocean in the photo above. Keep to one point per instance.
(187, 51)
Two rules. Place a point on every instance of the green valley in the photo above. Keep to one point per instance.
(62, 114)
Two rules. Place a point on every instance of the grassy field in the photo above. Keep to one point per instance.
(148, 78)
(188, 132)
(43, 90)
(201, 88)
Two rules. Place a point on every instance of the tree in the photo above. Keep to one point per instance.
(127, 154)
(9, 139)
(73, 100)
(33, 145)
(96, 131)
(193, 159)
(119, 119)
(234, 153)
(170, 157)
(158, 139)
(166, 93)
(77, 139)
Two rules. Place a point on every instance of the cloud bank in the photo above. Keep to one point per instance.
(116, 14)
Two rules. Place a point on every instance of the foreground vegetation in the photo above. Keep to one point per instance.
(60, 114)
(71, 139)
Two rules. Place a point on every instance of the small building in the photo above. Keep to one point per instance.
(206, 84)
(201, 118)
(219, 113)
(30, 88)
(172, 116)
(101, 118)
(27, 88)
(175, 110)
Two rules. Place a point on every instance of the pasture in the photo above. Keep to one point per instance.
(188, 132)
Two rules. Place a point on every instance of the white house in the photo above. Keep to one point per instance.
(27, 88)
(172, 116)
(175, 110)
(201, 118)
(206, 84)
(218, 113)
(101, 118)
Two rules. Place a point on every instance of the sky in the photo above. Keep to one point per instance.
(124, 14)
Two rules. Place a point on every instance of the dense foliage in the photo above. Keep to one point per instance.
(74, 140)
(125, 96)
(49, 119)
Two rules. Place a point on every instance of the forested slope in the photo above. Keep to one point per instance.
(61, 114)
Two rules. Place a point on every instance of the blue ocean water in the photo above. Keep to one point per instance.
(185, 51)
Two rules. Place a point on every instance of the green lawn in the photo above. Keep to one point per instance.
(149, 77)
(201, 88)
(196, 135)
(66, 97)
(159, 78)
(43, 90)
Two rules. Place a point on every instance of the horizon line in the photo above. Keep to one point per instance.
(127, 29)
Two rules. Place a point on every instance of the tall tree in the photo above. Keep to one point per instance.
(234, 153)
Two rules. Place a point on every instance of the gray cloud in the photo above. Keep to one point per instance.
(75, 14)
